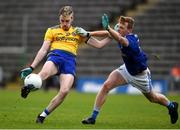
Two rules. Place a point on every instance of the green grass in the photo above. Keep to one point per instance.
(120, 111)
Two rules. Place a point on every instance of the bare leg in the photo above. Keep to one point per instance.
(48, 70)
(113, 81)
(155, 97)
(66, 82)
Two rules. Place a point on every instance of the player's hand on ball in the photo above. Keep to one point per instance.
(81, 32)
(25, 72)
(105, 21)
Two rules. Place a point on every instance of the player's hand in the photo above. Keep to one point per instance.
(25, 72)
(81, 32)
(116, 27)
(105, 21)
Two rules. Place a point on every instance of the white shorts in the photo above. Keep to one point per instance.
(141, 82)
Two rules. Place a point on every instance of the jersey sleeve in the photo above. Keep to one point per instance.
(49, 35)
(132, 40)
(133, 43)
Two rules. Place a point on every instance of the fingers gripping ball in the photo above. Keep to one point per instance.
(33, 79)
(105, 21)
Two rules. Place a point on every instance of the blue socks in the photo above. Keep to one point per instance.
(94, 114)
(170, 105)
(45, 113)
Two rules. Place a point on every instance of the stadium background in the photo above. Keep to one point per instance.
(24, 22)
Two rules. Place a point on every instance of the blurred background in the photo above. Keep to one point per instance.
(23, 24)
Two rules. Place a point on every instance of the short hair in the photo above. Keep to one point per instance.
(66, 11)
(129, 20)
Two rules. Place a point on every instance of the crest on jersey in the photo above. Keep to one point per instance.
(68, 34)
(74, 33)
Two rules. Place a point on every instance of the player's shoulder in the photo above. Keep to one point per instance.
(73, 27)
(132, 36)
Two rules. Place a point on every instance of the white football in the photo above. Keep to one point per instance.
(33, 79)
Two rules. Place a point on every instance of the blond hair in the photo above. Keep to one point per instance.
(66, 11)
(129, 20)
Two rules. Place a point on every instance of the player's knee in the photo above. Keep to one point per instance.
(64, 92)
(107, 86)
(44, 75)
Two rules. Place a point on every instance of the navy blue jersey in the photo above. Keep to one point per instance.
(133, 57)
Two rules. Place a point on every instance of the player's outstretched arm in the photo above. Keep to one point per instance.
(99, 43)
(93, 41)
(101, 33)
(117, 36)
(82, 32)
(40, 55)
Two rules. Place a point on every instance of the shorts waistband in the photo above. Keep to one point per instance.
(59, 52)
(143, 72)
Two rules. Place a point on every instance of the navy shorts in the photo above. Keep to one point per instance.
(64, 61)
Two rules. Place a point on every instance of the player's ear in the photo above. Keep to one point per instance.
(72, 17)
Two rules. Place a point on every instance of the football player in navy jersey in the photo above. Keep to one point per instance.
(134, 71)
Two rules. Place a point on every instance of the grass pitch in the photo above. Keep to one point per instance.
(119, 112)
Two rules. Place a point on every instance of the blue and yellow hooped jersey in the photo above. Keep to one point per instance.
(63, 40)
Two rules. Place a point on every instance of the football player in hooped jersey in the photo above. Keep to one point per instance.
(60, 45)
(134, 71)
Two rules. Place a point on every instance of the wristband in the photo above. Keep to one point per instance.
(88, 35)
(87, 39)
(31, 67)
(108, 28)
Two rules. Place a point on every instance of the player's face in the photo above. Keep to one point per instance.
(65, 22)
(123, 29)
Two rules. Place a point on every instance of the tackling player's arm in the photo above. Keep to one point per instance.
(93, 41)
(102, 33)
(117, 36)
(99, 43)
(41, 53)
(80, 31)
